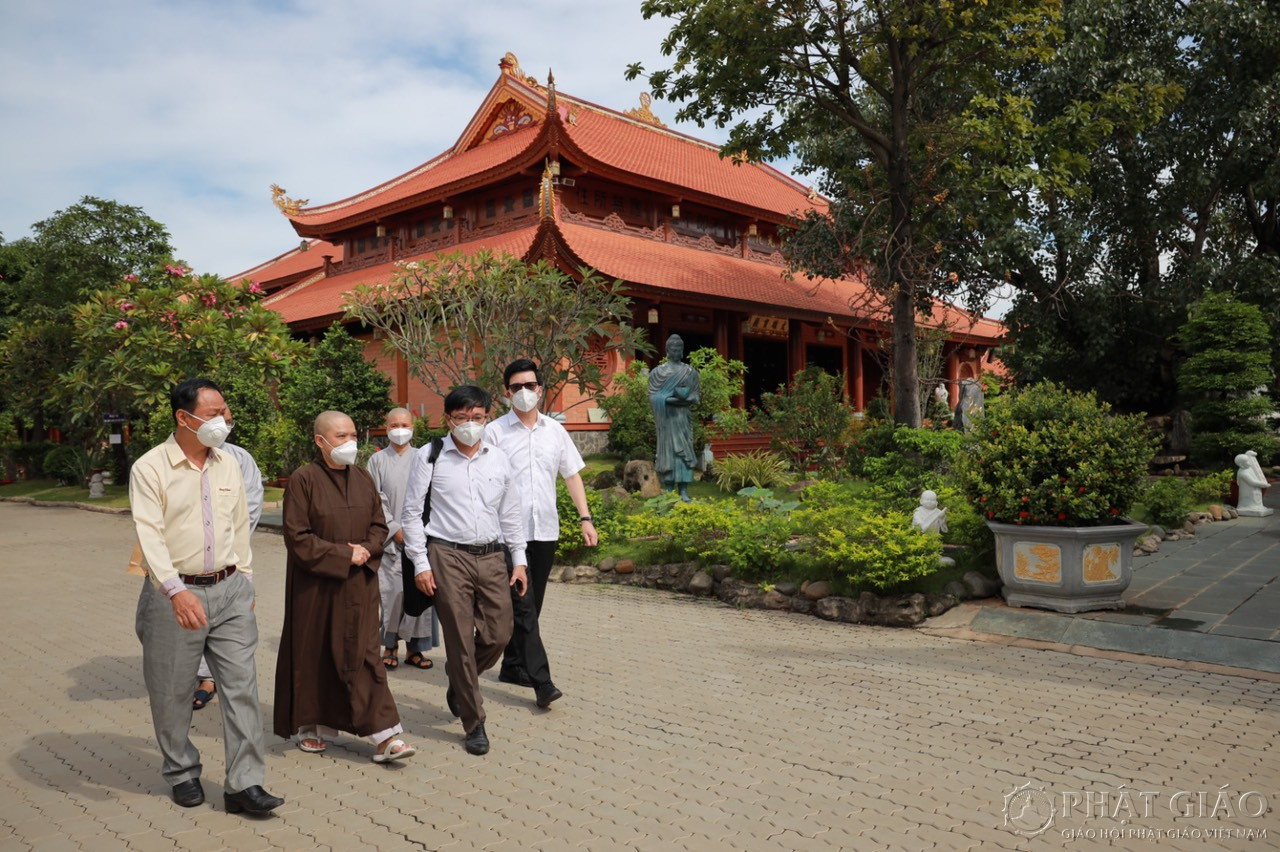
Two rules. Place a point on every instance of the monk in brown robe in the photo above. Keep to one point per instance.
(329, 675)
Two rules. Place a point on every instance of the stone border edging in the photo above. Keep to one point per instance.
(69, 504)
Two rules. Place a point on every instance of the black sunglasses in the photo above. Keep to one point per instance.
(522, 386)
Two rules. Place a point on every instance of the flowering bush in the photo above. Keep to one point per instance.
(1052, 457)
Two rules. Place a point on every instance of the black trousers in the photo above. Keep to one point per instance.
(525, 650)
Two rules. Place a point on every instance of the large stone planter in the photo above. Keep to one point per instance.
(1065, 569)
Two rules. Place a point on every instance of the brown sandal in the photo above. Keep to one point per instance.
(389, 658)
(418, 660)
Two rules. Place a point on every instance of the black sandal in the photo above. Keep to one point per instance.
(389, 658)
(418, 660)
(204, 696)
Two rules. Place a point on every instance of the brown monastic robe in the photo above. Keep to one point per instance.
(329, 671)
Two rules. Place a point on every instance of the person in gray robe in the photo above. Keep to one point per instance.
(390, 471)
(674, 388)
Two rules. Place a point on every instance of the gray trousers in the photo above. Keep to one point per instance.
(170, 656)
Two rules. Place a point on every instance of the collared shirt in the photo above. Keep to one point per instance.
(189, 520)
(254, 490)
(537, 454)
(390, 471)
(473, 501)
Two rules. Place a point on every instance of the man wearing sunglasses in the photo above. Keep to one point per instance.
(458, 553)
(539, 449)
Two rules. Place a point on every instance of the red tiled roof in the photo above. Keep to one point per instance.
(397, 193)
(683, 161)
(320, 300)
(291, 263)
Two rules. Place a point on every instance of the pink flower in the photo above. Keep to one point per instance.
(209, 299)
(255, 287)
(122, 324)
(131, 277)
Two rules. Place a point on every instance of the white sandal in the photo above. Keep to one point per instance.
(390, 754)
(302, 744)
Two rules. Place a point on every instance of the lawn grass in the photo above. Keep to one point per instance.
(49, 489)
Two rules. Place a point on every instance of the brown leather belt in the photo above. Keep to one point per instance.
(473, 549)
(208, 579)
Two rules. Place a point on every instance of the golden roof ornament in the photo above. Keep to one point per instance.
(546, 193)
(551, 92)
(643, 113)
(510, 65)
(288, 206)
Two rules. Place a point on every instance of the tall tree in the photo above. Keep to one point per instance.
(903, 107)
(89, 246)
(461, 319)
(1187, 203)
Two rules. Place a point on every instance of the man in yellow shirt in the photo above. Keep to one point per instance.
(188, 502)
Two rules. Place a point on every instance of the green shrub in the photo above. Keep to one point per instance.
(72, 464)
(760, 468)
(1054, 457)
(881, 550)
(608, 513)
(749, 536)
(1168, 501)
(1230, 346)
(1211, 488)
(808, 420)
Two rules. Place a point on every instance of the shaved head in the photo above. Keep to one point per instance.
(399, 418)
(328, 420)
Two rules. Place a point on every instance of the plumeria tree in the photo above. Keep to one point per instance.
(133, 341)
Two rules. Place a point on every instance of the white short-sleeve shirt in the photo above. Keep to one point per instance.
(537, 455)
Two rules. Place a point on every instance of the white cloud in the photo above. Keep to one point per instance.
(190, 109)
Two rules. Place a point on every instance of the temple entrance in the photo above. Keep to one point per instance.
(766, 361)
(830, 359)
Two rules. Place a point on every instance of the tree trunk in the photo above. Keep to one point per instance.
(906, 379)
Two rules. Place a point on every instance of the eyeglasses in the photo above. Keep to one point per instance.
(523, 386)
(459, 419)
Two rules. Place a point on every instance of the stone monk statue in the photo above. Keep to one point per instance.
(1251, 482)
(674, 388)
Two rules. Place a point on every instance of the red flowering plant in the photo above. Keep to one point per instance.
(1048, 456)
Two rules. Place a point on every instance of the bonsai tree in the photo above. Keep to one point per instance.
(1229, 362)
(1052, 457)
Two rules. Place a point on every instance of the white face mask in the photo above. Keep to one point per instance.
(524, 400)
(468, 434)
(212, 432)
(399, 437)
(343, 454)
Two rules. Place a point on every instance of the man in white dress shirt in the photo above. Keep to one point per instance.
(458, 554)
(539, 449)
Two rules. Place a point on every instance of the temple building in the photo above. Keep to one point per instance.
(694, 237)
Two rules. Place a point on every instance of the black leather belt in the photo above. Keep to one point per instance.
(473, 549)
(208, 579)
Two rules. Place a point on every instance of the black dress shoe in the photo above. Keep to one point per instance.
(253, 799)
(477, 742)
(546, 694)
(519, 677)
(452, 701)
(188, 794)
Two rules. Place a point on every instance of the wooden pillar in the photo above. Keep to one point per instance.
(402, 380)
(858, 392)
(795, 348)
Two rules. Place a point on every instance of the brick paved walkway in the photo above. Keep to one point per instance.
(686, 725)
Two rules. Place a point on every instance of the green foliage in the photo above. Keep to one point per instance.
(807, 420)
(1210, 488)
(333, 375)
(1230, 359)
(71, 463)
(1053, 457)
(632, 432)
(1167, 501)
(760, 468)
(920, 460)
(608, 513)
(441, 315)
(283, 446)
(135, 339)
(878, 549)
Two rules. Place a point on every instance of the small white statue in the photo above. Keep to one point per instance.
(1251, 482)
(97, 485)
(927, 516)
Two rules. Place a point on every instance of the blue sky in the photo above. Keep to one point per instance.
(192, 109)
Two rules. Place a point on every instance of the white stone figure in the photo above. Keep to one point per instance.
(97, 485)
(928, 517)
(1251, 482)
(940, 393)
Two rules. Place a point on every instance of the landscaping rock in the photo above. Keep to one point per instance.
(816, 590)
(720, 572)
(894, 610)
(1158, 530)
(608, 563)
(935, 605)
(774, 599)
(701, 583)
(579, 574)
(957, 590)
(787, 588)
(801, 604)
(1189, 527)
(839, 609)
(1215, 511)
(946, 562)
(980, 585)
(640, 477)
(1149, 543)
(1231, 511)
(624, 566)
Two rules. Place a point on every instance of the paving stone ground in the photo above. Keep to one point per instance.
(686, 725)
